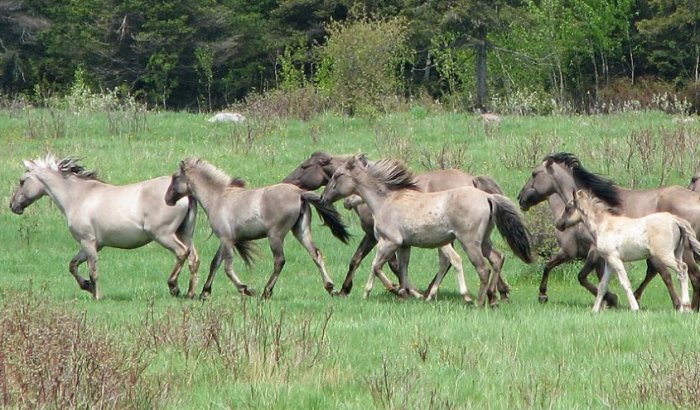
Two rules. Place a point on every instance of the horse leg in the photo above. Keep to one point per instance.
(213, 267)
(651, 272)
(558, 259)
(602, 288)
(496, 259)
(593, 261)
(473, 251)
(385, 250)
(181, 251)
(368, 242)
(277, 248)
(693, 275)
(193, 265)
(227, 255)
(73, 266)
(303, 234)
(91, 251)
(625, 282)
(448, 257)
(661, 266)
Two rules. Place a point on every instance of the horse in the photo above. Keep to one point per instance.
(238, 215)
(695, 182)
(562, 173)
(103, 215)
(317, 170)
(619, 239)
(405, 216)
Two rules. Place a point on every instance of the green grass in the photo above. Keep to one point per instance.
(379, 352)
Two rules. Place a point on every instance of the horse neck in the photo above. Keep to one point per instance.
(64, 191)
(564, 182)
(556, 205)
(205, 189)
(592, 218)
(373, 192)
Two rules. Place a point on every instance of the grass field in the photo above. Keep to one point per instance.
(302, 348)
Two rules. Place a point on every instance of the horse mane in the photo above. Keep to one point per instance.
(214, 174)
(66, 166)
(394, 174)
(599, 203)
(602, 188)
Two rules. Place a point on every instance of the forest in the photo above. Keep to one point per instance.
(358, 56)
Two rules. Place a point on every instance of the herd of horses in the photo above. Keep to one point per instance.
(596, 220)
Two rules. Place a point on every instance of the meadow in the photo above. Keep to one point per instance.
(141, 348)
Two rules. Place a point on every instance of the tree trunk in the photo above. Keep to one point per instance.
(480, 49)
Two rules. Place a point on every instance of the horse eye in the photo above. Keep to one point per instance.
(21, 182)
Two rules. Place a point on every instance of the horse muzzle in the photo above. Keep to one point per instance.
(17, 209)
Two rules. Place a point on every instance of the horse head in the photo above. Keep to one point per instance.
(178, 187)
(342, 183)
(30, 189)
(313, 173)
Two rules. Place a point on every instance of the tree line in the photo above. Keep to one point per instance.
(512, 55)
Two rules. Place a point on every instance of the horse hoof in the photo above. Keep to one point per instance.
(191, 295)
(339, 293)
(329, 288)
(246, 291)
(204, 295)
(505, 297)
(86, 285)
(543, 298)
(267, 294)
(468, 301)
(175, 291)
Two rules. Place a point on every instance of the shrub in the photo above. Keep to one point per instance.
(50, 357)
(361, 63)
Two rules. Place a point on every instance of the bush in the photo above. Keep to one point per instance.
(361, 63)
(51, 357)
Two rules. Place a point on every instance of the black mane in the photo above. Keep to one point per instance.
(604, 189)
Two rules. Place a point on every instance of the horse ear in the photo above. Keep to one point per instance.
(363, 159)
(182, 165)
(28, 164)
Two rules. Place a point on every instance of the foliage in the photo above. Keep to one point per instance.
(362, 62)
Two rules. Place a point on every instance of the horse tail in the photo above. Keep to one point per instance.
(328, 214)
(688, 233)
(187, 226)
(247, 250)
(511, 226)
(487, 184)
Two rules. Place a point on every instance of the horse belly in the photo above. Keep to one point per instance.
(631, 248)
(426, 231)
(124, 238)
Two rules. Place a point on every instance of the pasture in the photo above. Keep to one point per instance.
(303, 348)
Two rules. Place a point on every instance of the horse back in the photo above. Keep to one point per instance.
(681, 202)
(443, 179)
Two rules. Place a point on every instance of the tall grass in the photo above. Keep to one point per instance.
(304, 349)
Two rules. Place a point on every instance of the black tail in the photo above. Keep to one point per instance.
(487, 184)
(511, 226)
(329, 216)
(247, 250)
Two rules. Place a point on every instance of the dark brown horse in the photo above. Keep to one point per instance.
(317, 170)
(562, 173)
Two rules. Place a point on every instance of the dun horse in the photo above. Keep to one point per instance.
(238, 215)
(619, 239)
(100, 214)
(562, 173)
(317, 170)
(405, 217)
